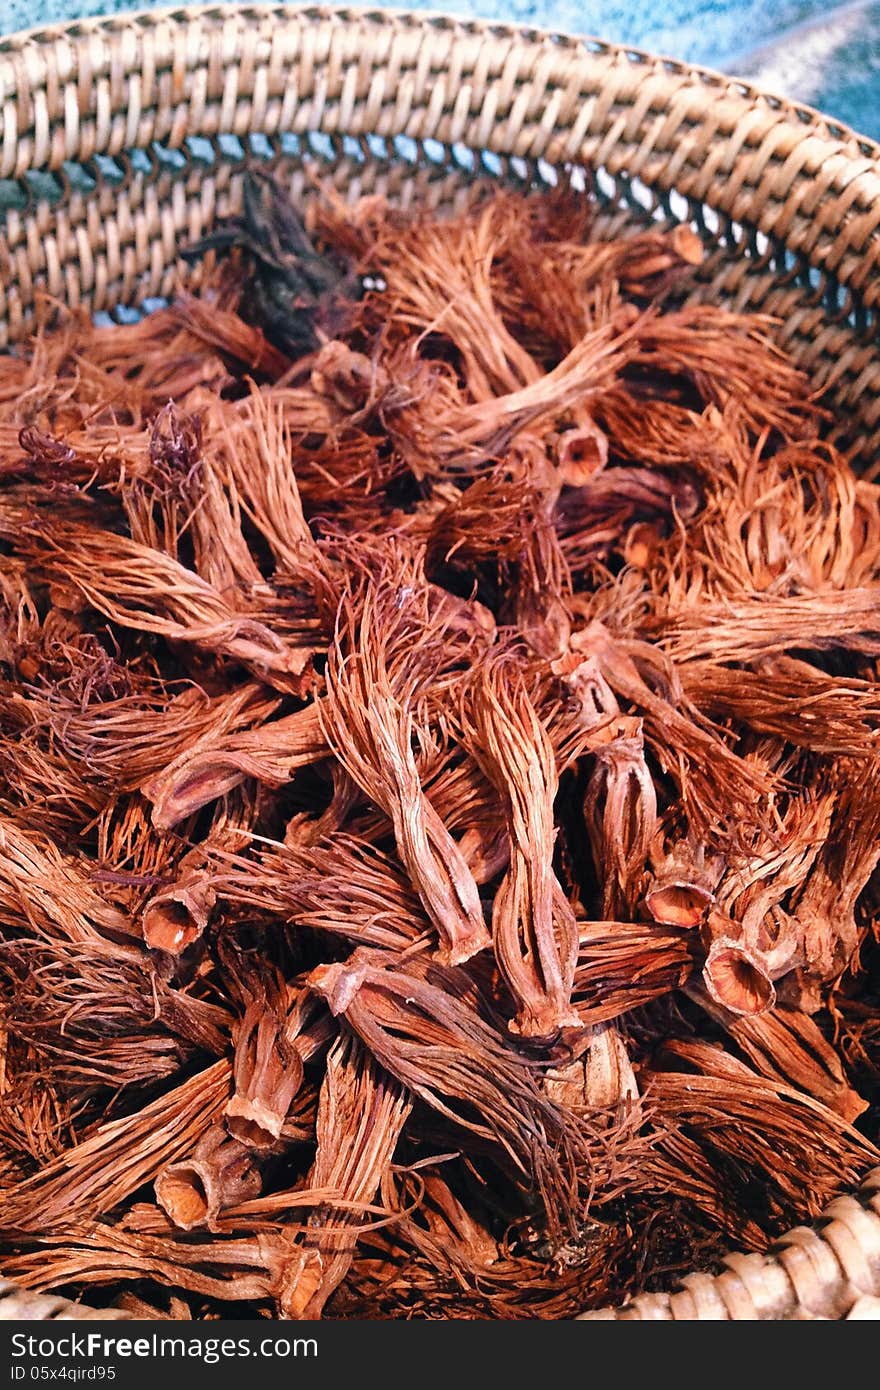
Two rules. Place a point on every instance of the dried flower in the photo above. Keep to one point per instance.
(623, 965)
(373, 681)
(683, 882)
(361, 1114)
(268, 1067)
(412, 574)
(118, 1157)
(223, 758)
(136, 586)
(219, 1173)
(465, 1072)
(534, 932)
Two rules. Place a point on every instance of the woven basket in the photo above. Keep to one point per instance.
(123, 139)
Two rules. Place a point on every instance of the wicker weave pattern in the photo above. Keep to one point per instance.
(95, 120)
(794, 199)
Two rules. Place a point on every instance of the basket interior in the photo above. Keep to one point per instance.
(125, 139)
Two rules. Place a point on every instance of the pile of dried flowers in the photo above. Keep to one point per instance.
(439, 777)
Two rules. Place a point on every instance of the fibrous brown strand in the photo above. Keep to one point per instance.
(441, 280)
(209, 320)
(422, 1024)
(132, 858)
(627, 511)
(728, 357)
(766, 625)
(566, 286)
(824, 906)
(377, 665)
(361, 1113)
(791, 700)
(225, 757)
(788, 1045)
(739, 1123)
(122, 741)
(36, 1120)
(101, 1254)
(93, 1017)
(466, 436)
(49, 894)
(439, 770)
(534, 932)
(342, 885)
(258, 453)
(43, 789)
(621, 965)
(117, 1158)
(138, 587)
(438, 1260)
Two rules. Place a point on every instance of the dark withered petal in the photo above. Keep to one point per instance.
(296, 294)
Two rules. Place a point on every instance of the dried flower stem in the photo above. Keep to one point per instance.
(534, 932)
(361, 1114)
(369, 721)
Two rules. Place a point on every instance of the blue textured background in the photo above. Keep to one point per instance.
(825, 54)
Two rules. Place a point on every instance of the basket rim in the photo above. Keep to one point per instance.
(68, 52)
(436, 19)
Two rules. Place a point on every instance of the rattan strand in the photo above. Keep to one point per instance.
(787, 201)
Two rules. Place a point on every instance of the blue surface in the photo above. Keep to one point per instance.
(826, 55)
